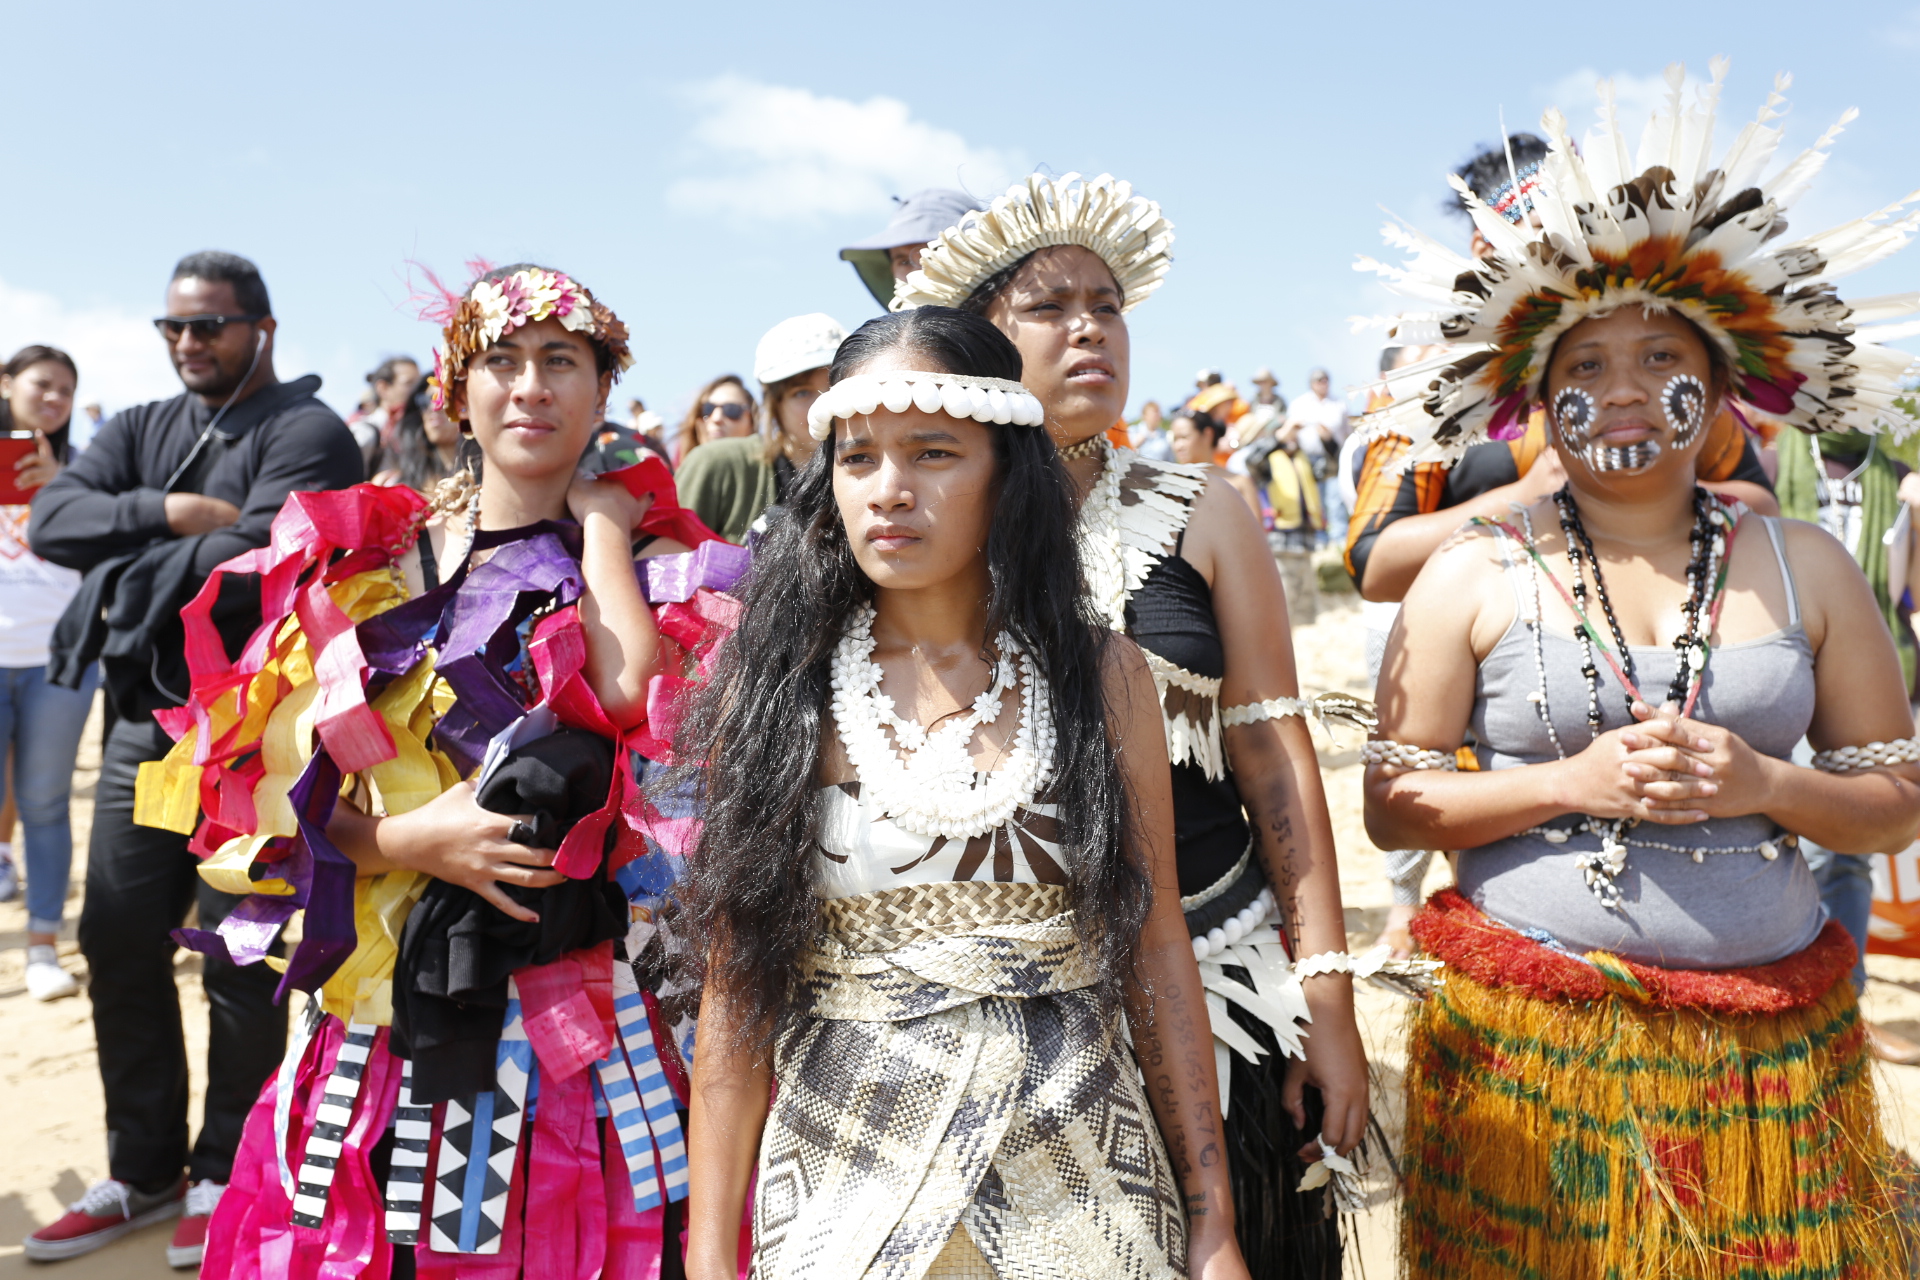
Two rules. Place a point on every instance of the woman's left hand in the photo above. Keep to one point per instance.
(1735, 771)
(1336, 1065)
(1214, 1254)
(598, 495)
(37, 468)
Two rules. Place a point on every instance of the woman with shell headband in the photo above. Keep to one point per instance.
(1647, 1057)
(427, 749)
(936, 866)
(1176, 561)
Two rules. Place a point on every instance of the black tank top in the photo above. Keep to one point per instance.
(1171, 616)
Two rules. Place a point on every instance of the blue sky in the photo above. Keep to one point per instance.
(699, 166)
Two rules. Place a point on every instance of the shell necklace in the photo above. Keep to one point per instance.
(1101, 557)
(928, 784)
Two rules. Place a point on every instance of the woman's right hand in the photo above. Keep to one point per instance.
(452, 838)
(36, 469)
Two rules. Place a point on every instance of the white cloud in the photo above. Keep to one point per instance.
(773, 153)
(121, 360)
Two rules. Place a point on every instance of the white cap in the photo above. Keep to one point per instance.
(797, 345)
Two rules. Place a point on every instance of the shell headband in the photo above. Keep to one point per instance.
(1684, 235)
(1102, 214)
(954, 394)
(492, 308)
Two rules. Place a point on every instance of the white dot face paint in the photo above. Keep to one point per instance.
(1574, 414)
(1684, 400)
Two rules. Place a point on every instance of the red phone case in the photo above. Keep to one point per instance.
(12, 449)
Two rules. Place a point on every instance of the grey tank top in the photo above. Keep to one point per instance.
(1725, 911)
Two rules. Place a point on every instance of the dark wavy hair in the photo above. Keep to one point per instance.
(747, 895)
(984, 294)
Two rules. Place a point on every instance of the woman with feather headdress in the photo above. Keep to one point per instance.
(1646, 1057)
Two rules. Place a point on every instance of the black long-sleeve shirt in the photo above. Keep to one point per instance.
(106, 516)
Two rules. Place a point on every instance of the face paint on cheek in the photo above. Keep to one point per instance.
(1637, 456)
(1684, 400)
(1573, 419)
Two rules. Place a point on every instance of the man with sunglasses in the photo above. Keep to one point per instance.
(165, 492)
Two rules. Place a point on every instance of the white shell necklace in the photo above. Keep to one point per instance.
(928, 784)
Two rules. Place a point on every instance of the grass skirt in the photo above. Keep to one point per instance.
(1571, 1118)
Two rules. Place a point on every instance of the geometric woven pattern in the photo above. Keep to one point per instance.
(479, 1144)
(1013, 1111)
(407, 1175)
(330, 1122)
(640, 1102)
(890, 918)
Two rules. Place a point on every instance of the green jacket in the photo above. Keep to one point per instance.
(727, 483)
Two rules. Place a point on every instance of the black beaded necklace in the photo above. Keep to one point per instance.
(1704, 548)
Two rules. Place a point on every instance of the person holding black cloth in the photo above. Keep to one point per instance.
(167, 491)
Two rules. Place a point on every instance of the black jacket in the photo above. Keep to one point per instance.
(106, 516)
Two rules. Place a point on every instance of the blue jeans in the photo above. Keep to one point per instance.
(1846, 891)
(41, 724)
(1333, 505)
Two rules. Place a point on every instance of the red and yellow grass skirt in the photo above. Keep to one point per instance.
(1572, 1119)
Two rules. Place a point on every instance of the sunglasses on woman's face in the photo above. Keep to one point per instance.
(732, 412)
(206, 327)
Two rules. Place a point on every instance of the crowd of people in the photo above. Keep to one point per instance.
(872, 826)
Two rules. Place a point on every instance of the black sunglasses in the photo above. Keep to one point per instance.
(732, 412)
(206, 328)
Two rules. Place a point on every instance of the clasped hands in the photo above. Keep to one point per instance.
(1670, 769)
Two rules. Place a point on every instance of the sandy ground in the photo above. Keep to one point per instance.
(50, 1086)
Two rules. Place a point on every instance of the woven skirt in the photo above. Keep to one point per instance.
(1588, 1118)
(956, 1096)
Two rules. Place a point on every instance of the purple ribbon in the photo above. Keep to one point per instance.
(246, 935)
(715, 565)
(480, 626)
(322, 880)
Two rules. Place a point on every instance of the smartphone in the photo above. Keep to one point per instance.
(14, 446)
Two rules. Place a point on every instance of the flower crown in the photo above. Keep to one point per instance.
(1127, 231)
(492, 308)
(1683, 235)
(954, 394)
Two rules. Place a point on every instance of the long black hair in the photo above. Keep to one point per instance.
(408, 450)
(756, 726)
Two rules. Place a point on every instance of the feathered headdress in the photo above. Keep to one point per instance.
(1102, 214)
(1671, 232)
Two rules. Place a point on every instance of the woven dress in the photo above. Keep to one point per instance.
(954, 1101)
(1131, 531)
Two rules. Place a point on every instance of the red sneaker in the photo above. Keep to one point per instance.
(190, 1237)
(108, 1211)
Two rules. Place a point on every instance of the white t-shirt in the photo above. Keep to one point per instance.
(1312, 413)
(33, 594)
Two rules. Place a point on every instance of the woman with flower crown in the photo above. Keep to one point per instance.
(1647, 1057)
(937, 868)
(427, 750)
(1175, 560)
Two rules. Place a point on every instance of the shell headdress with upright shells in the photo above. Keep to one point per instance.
(1703, 240)
(1101, 214)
